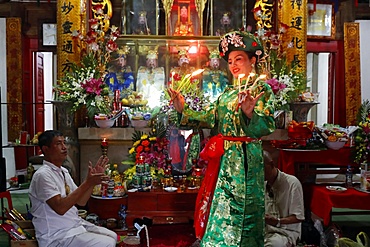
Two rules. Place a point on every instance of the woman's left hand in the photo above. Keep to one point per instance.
(247, 102)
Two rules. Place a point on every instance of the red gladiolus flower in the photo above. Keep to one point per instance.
(283, 28)
(98, 8)
(255, 10)
(111, 46)
(94, 24)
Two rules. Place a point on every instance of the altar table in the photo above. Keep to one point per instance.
(288, 158)
(323, 200)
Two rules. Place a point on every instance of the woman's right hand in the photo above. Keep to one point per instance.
(177, 98)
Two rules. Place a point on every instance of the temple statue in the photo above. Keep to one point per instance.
(214, 78)
(183, 67)
(225, 24)
(184, 27)
(120, 75)
(142, 26)
(151, 79)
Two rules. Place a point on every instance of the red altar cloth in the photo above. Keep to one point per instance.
(287, 158)
(324, 200)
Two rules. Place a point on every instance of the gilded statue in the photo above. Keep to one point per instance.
(184, 27)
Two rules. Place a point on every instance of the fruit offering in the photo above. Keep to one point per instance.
(333, 133)
(134, 99)
(300, 130)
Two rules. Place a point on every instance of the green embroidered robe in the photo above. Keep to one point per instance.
(237, 211)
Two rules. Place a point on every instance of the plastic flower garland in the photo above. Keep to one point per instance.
(362, 135)
(83, 84)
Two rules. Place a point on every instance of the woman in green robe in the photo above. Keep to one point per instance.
(242, 115)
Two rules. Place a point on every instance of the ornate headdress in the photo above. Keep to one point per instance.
(214, 54)
(183, 53)
(152, 54)
(123, 51)
(227, 13)
(240, 41)
(142, 13)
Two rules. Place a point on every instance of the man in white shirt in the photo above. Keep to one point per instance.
(284, 208)
(53, 196)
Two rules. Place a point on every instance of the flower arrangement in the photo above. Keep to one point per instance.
(188, 85)
(286, 82)
(83, 84)
(362, 135)
(152, 147)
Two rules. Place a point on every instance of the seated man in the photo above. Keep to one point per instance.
(284, 206)
(53, 196)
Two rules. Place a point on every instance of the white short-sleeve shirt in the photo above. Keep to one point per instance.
(47, 182)
(286, 200)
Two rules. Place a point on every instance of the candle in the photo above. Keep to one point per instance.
(248, 78)
(104, 143)
(240, 76)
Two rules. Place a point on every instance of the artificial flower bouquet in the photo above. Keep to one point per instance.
(286, 81)
(83, 84)
(151, 148)
(188, 86)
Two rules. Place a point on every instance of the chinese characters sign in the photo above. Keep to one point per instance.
(352, 70)
(294, 14)
(71, 16)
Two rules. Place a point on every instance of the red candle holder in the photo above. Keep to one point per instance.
(104, 146)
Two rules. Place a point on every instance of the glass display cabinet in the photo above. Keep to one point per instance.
(166, 50)
(182, 17)
(142, 17)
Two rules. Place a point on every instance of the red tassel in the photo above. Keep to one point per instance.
(314, 5)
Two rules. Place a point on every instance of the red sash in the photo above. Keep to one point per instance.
(212, 152)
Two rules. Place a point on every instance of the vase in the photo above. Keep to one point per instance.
(301, 109)
(66, 125)
(282, 119)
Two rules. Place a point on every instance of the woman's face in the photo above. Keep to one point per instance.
(239, 63)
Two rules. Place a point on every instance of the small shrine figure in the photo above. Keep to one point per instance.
(151, 79)
(122, 214)
(177, 149)
(120, 75)
(142, 26)
(214, 78)
(184, 27)
(225, 24)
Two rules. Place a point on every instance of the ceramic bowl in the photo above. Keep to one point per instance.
(335, 145)
(139, 123)
(104, 123)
